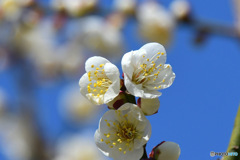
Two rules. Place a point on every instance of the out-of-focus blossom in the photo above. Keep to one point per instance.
(155, 22)
(101, 36)
(145, 71)
(12, 9)
(16, 138)
(166, 151)
(101, 82)
(180, 8)
(149, 106)
(75, 7)
(75, 107)
(77, 147)
(125, 6)
(70, 57)
(51, 59)
(122, 133)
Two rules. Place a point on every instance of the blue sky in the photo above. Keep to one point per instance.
(198, 110)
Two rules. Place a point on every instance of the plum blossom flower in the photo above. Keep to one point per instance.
(156, 23)
(74, 107)
(145, 71)
(122, 133)
(166, 151)
(101, 35)
(101, 83)
(125, 6)
(77, 147)
(74, 7)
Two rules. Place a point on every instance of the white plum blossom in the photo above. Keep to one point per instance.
(166, 151)
(74, 7)
(77, 147)
(156, 23)
(101, 82)
(149, 106)
(17, 138)
(101, 35)
(122, 133)
(51, 59)
(75, 107)
(145, 71)
(125, 6)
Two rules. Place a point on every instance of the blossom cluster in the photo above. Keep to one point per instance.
(124, 130)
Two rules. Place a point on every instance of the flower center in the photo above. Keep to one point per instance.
(98, 81)
(122, 134)
(148, 70)
(126, 132)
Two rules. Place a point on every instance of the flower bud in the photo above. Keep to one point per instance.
(117, 101)
(149, 106)
(165, 151)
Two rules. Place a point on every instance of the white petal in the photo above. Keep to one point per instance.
(127, 64)
(150, 106)
(138, 91)
(111, 71)
(112, 92)
(146, 135)
(113, 74)
(135, 154)
(134, 89)
(169, 151)
(154, 48)
(109, 116)
(83, 83)
(165, 78)
(151, 93)
(94, 99)
(101, 145)
(94, 62)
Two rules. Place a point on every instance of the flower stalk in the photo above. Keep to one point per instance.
(234, 144)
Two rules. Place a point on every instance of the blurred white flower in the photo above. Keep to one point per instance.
(145, 71)
(70, 57)
(11, 9)
(101, 36)
(51, 59)
(122, 133)
(101, 83)
(149, 106)
(180, 8)
(155, 22)
(77, 147)
(75, 107)
(166, 151)
(125, 6)
(15, 137)
(74, 7)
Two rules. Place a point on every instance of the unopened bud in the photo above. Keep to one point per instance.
(165, 151)
(149, 106)
(117, 101)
